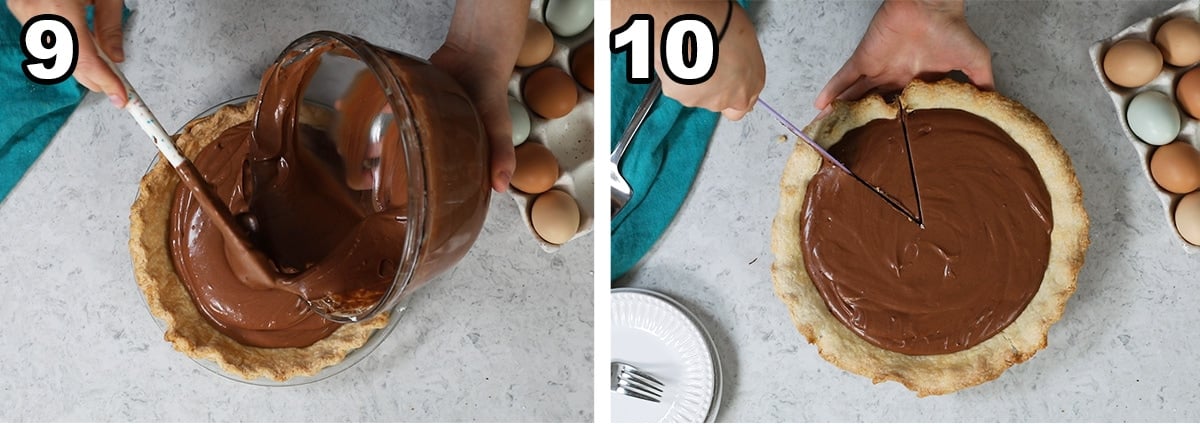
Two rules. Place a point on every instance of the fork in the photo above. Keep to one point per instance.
(621, 192)
(629, 381)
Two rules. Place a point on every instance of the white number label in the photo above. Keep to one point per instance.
(51, 49)
(688, 50)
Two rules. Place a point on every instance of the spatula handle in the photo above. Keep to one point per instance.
(144, 117)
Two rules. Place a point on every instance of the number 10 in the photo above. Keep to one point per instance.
(688, 48)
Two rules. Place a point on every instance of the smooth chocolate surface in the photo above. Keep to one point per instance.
(968, 273)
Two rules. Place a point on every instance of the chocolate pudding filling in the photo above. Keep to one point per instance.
(297, 226)
(966, 275)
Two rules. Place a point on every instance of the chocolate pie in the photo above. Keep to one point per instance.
(956, 300)
(254, 333)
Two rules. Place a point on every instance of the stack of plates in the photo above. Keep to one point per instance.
(659, 336)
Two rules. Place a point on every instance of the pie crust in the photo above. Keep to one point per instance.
(946, 373)
(167, 297)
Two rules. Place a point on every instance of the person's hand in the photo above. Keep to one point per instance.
(486, 83)
(90, 71)
(740, 74)
(480, 52)
(907, 40)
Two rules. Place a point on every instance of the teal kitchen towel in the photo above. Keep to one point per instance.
(32, 112)
(660, 165)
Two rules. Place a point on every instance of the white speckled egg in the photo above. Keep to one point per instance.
(1153, 118)
(567, 18)
(520, 121)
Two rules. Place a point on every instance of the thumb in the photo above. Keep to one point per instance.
(981, 77)
(846, 76)
(90, 70)
(96, 76)
(93, 73)
(493, 112)
(980, 71)
(504, 162)
(733, 114)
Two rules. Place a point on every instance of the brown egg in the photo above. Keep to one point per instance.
(1179, 41)
(555, 216)
(1176, 167)
(1132, 63)
(537, 169)
(1187, 218)
(538, 44)
(550, 92)
(1188, 92)
(583, 65)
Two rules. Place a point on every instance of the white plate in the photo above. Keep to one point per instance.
(657, 335)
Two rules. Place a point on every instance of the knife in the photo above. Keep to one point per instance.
(837, 163)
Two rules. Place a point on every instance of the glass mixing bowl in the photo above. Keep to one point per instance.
(408, 135)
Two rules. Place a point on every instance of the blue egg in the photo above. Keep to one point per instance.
(567, 18)
(520, 121)
(1153, 118)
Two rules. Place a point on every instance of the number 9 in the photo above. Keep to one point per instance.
(51, 49)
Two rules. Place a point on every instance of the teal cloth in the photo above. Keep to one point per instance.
(33, 113)
(660, 165)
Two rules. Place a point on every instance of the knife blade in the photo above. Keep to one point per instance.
(837, 163)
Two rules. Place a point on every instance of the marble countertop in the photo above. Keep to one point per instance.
(79, 344)
(1123, 349)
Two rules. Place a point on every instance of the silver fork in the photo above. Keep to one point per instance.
(629, 381)
(621, 192)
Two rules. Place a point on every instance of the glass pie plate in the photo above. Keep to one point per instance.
(351, 359)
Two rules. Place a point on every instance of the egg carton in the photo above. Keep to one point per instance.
(570, 137)
(1163, 83)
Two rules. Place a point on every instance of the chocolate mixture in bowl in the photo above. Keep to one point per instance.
(357, 174)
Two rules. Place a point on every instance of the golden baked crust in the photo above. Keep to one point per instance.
(167, 297)
(933, 374)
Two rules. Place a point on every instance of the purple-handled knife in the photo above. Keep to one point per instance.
(828, 157)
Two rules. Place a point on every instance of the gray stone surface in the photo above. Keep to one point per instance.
(78, 343)
(1125, 348)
